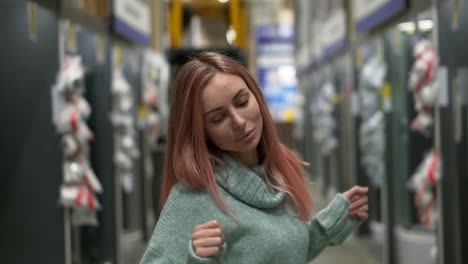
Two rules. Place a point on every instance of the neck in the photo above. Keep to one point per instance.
(248, 159)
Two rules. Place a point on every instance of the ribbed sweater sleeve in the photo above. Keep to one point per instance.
(331, 226)
(152, 256)
(171, 240)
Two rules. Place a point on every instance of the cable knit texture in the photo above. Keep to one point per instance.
(266, 230)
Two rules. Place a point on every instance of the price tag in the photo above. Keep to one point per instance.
(442, 79)
(387, 97)
(118, 56)
(456, 15)
(71, 37)
(358, 60)
(100, 49)
(32, 20)
(154, 73)
(336, 99)
(142, 111)
(289, 115)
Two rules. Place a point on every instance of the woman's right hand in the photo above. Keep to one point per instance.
(207, 239)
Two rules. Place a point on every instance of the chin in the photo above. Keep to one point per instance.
(253, 145)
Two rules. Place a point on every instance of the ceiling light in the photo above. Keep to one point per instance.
(425, 25)
(407, 27)
(231, 35)
(410, 27)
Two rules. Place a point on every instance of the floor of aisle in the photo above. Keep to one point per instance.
(352, 251)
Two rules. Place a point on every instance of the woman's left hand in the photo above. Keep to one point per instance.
(357, 197)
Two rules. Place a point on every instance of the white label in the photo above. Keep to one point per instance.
(362, 8)
(355, 104)
(387, 104)
(334, 28)
(135, 13)
(442, 79)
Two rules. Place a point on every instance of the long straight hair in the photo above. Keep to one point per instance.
(190, 160)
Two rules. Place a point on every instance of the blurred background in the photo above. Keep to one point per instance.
(368, 92)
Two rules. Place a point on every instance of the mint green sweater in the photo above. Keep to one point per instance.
(267, 231)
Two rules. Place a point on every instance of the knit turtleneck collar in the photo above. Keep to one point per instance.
(247, 184)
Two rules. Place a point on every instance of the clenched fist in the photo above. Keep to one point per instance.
(357, 197)
(207, 239)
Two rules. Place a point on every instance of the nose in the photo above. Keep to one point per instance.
(237, 120)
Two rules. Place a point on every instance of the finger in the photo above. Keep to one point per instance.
(359, 190)
(209, 224)
(207, 242)
(363, 209)
(354, 191)
(204, 233)
(362, 216)
(207, 252)
(358, 203)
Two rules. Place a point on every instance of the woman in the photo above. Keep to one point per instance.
(232, 193)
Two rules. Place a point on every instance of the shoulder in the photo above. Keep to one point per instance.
(182, 196)
(184, 209)
(187, 206)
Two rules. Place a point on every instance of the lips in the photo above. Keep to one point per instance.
(247, 134)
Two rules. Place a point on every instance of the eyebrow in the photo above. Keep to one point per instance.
(233, 99)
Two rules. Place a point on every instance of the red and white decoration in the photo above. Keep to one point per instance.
(424, 182)
(423, 84)
(80, 184)
(123, 119)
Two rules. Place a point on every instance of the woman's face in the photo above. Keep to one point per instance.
(232, 117)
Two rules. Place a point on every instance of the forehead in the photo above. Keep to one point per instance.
(221, 89)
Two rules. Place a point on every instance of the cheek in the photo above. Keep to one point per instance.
(257, 114)
(217, 135)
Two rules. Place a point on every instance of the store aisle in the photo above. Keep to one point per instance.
(352, 251)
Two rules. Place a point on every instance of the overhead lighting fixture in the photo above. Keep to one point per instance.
(410, 27)
(425, 25)
(407, 27)
(223, 1)
(231, 35)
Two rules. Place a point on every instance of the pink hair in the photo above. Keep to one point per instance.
(190, 160)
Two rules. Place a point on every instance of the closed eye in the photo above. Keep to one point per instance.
(217, 119)
(243, 101)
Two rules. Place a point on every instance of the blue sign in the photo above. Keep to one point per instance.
(132, 19)
(372, 13)
(276, 73)
(273, 33)
(124, 29)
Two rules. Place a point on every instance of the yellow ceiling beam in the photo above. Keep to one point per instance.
(176, 23)
(234, 15)
(210, 12)
(203, 3)
(238, 18)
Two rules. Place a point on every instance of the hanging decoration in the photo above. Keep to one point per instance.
(123, 119)
(423, 84)
(152, 121)
(423, 182)
(372, 128)
(324, 124)
(71, 111)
